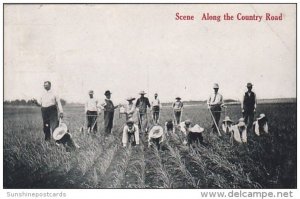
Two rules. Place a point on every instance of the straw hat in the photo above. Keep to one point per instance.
(60, 131)
(196, 129)
(216, 85)
(142, 93)
(227, 119)
(130, 98)
(156, 131)
(261, 116)
(107, 92)
(249, 84)
(155, 94)
(241, 122)
(91, 92)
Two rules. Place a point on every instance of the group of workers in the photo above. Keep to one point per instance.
(137, 123)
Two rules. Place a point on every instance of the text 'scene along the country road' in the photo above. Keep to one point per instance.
(229, 17)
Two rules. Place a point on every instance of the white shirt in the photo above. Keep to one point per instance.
(183, 128)
(240, 137)
(91, 105)
(177, 106)
(49, 98)
(134, 130)
(215, 99)
(156, 102)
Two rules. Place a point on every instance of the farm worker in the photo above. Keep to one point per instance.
(169, 127)
(194, 135)
(62, 136)
(156, 106)
(184, 129)
(142, 103)
(215, 104)
(156, 136)
(249, 106)
(91, 111)
(109, 110)
(50, 106)
(261, 125)
(177, 110)
(239, 132)
(130, 133)
(130, 110)
(227, 125)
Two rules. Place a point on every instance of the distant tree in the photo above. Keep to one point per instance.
(63, 102)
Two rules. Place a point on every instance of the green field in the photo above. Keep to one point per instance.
(265, 162)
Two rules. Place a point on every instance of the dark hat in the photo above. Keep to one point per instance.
(142, 93)
(130, 121)
(178, 98)
(130, 98)
(107, 92)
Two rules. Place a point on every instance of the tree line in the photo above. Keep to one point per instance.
(31, 102)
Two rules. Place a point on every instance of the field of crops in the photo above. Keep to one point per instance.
(102, 162)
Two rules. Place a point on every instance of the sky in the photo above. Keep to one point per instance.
(129, 48)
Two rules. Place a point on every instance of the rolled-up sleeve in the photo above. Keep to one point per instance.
(125, 136)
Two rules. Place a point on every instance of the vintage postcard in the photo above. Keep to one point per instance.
(150, 96)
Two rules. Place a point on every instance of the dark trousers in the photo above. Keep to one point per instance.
(92, 120)
(143, 122)
(248, 117)
(216, 112)
(194, 138)
(131, 139)
(156, 142)
(67, 141)
(108, 121)
(155, 113)
(50, 120)
(177, 116)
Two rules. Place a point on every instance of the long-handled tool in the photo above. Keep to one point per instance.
(139, 118)
(175, 122)
(82, 129)
(92, 129)
(181, 113)
(215, 122)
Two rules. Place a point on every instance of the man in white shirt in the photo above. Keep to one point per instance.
(50, 106)
(215, 104)
(91, 110)
(156, 106)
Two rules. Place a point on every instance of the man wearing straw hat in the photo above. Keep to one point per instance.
(215, 104)
(195, 135)
(130, 110)
(109, 110)
(260, 126)
(239, 132)
(177, 110)
(61, 135)
(227, 125)
(142, 104)
(249, 106)
(91, 110)
(156, 136)
(50, 107)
